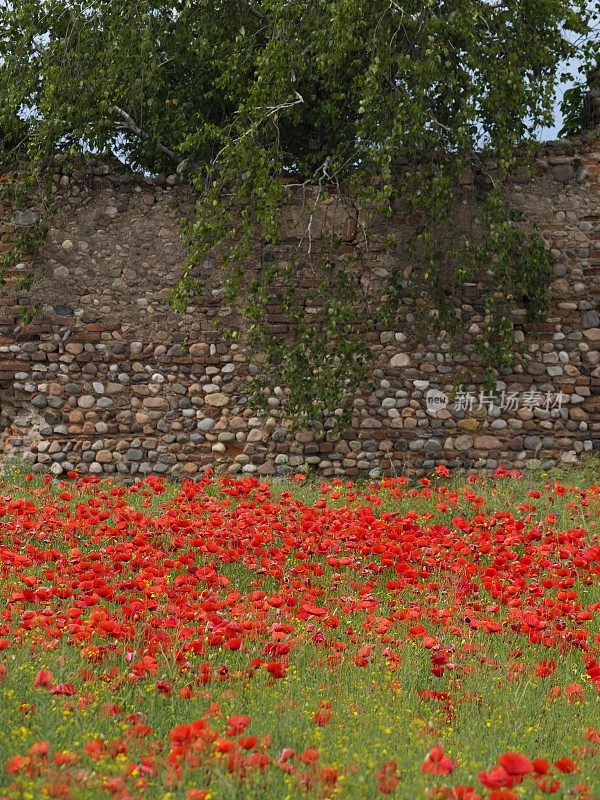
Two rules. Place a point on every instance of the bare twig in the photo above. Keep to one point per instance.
(323, 173)
(130, 125)
(271, 112)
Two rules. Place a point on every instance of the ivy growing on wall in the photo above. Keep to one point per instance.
(385, 106)
(25, 242)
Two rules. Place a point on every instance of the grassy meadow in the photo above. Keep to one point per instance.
(233, 638)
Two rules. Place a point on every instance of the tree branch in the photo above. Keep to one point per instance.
(130, 125)
(255, 12)
(272, 111)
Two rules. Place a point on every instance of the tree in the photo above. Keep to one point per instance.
(580, 105)
(373, 99)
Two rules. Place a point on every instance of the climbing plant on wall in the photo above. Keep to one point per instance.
(384, 105)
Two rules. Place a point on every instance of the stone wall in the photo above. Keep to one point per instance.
(107, 379)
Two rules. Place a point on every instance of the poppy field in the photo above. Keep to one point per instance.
(232, 638)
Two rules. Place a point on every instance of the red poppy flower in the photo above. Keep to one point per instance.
(574, 693)
(44, 678)
(592, 735)
(310, 755)
(565, 765)
(95, 749)
(275, 669)
(286, 754)
(237, 724)
(540, 766)
(502, 794)
(67, 689)
(545, 668)
(16, 764)
(247, 742)
(437, 763)
(515, 764)
(387, 777)
(498, 777)
(181, 733)
(549, 785)
(40, 749)
(64, 758)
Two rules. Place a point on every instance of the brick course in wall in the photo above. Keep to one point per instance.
(108, 379)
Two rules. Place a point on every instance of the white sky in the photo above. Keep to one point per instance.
(548, 134)
(572, 67)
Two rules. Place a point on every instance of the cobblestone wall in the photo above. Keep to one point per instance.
(107, 379)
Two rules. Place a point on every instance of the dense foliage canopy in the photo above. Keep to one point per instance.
(374, 99)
